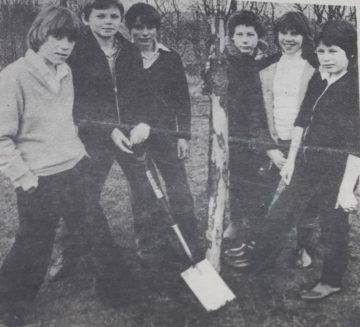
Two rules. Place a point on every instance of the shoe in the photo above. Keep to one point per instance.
(241, 252)
(303, 259)
(239, 264)
(319, 292)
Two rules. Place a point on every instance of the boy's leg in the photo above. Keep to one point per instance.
(91, 230)
(172, 169)
(24, 269)
(335, 227)
(146, 209)
(101, 162)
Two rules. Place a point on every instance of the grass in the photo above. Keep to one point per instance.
(267, 300)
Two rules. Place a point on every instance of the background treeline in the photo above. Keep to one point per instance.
(186, 24)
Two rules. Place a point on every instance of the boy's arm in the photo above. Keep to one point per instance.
(11, 108)
(346, 198)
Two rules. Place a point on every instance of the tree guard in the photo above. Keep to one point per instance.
(218, 179)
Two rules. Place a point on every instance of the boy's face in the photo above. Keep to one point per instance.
(332, 58)
(290, 41)
(245, 38)
(143, 36)
(104, 23)
(56, 50)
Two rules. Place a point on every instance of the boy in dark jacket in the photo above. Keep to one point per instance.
(170, 118)
(247, 122)
(111, 102)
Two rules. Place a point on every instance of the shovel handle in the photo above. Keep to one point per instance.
(180, 236)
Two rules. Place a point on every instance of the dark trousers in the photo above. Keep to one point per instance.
(61, 195)
(172, 169)
(145, 207)
(311, 182)
(253, 185)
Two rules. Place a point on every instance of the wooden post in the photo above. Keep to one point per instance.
(218, 145)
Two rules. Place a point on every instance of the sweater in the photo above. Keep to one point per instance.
(330, 118)
(166, 81)
(247, 118)
(103, 101)
(287, 95)
(37, 132)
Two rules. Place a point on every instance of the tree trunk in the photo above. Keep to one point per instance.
(218, 147)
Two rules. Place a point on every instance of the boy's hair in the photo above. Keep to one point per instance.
(247, 18)
(53, 21)
(147, 14)
(340, 33)
(102, 4)
(295, 21)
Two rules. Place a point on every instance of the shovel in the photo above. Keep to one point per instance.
(203, 280)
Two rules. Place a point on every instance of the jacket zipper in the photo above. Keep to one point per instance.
(114, 79)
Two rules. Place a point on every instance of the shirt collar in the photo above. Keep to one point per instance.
(61, 70)
(328, 77)
(149, 59)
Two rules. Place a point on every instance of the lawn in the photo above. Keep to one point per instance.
(270, 299)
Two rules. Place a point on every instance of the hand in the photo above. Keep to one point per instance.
(183, 149)
(28, 182)
(346, 200)
(121, 141)
(139, 133)
(287, 171)
(277, 157)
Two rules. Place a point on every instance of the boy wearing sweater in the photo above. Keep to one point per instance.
(41, 153)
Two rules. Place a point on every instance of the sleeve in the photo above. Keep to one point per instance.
(349, 119)
(259, 132)
(181, 99)
(11, 108)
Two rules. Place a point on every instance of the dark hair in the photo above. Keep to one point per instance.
(101, 4)
(295, 21)
(247, 18)
(340, 33)
(147, 14)
(55, 21)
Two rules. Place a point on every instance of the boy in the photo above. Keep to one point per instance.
(111, 102)
(247, 121)
(171, 117)
(42, 155)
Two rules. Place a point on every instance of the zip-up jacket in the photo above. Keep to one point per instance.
(102, 101)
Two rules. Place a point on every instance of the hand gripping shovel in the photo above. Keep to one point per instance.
(201, 278)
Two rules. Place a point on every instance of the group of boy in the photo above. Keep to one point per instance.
(70, 107)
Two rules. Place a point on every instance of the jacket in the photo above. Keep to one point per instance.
(99, 106)
(247, 119)
(168, 87)
(330, 118)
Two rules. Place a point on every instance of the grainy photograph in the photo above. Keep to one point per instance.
(179, 163)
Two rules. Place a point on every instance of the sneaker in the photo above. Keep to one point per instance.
(241, 252)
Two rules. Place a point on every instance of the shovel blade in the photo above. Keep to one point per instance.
(207, 285)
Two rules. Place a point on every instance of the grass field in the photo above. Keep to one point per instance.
(268, 300)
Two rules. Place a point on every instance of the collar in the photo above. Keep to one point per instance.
(33, 58)
(328, 77)
(149, 59)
